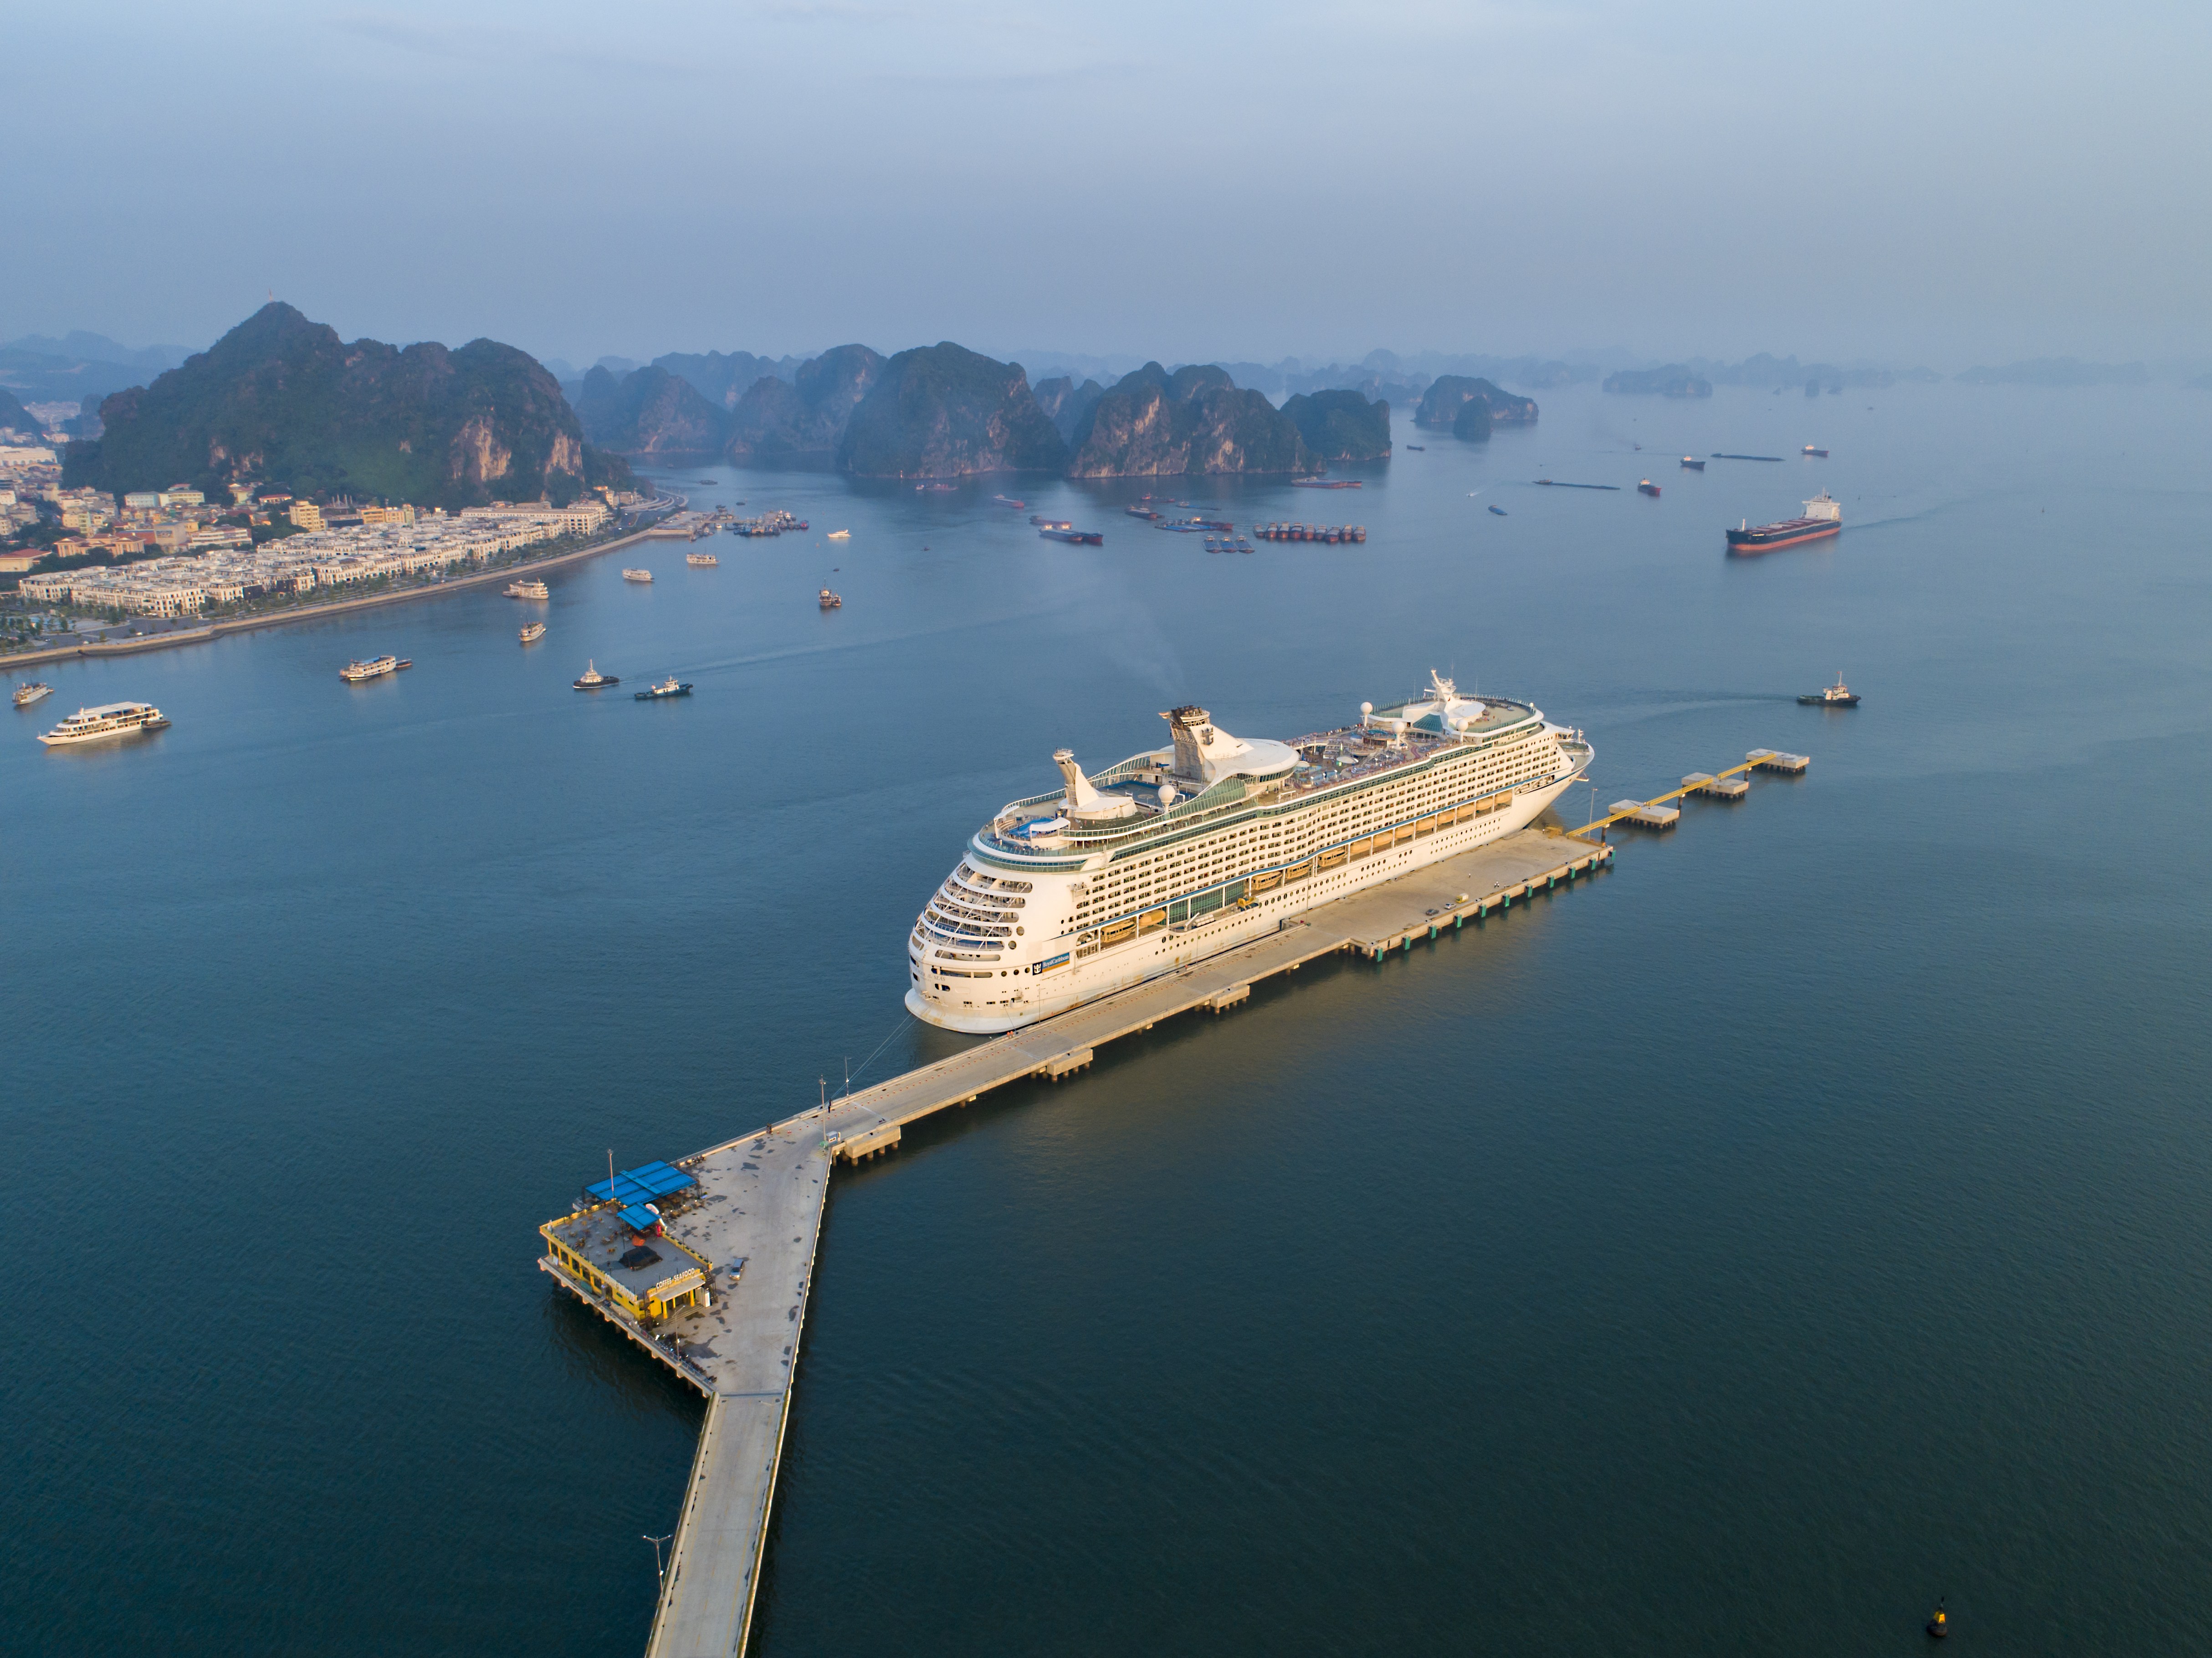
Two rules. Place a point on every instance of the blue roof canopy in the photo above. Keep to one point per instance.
(639, 1220)
(642, 1184)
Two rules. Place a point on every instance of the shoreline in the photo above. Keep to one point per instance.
(315, 613)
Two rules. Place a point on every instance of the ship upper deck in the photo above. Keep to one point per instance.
(1035, 833)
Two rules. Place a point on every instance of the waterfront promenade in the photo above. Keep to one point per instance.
(756, 1216)
(319, 612)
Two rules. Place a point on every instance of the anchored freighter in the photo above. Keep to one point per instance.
(1181, 852)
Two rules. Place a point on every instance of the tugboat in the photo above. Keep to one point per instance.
(829, 601)
(1692, 463)
(31, 690)
(593, 680)
(1834, 696)
(1938, 1625)
(668, 687)
(1648, 488)
(532, 633)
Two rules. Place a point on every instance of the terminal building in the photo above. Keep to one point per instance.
(613, 1249)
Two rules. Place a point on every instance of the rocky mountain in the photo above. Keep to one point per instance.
(1066, 405)
(1473, 420)
(943, 411)
(806, 414)
(1340, 425)
(14, 416)
(1672, 382)
(284, 402)
(650, 412)
(1151, 424)
(723, 378)
(1449, 394)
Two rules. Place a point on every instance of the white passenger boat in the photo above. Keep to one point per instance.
(354, 672)
(1180, 852)
(701, 561)
(528, 590)
(637, 575)
(532, 632)
(110, 719)
(31, 690)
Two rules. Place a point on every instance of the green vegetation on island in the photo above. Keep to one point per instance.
(779, 419)
(281, 401)
(1340, 425)
(651, 412)
(1152, 424)
(1450, 400)
(1066, 405)
(943, 411)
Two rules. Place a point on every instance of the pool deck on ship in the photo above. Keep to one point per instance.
(756, 1214)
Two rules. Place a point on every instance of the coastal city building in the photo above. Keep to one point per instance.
(225, 569)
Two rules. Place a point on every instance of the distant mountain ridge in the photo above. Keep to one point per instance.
(1197, 421)
(943, 411)
(280, 400)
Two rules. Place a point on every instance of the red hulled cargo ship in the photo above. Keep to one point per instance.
(1823, 517)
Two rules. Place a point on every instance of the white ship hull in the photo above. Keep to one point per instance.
(1058, 903)
(1022, 999)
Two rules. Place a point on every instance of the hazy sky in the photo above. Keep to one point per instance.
(1948, 183)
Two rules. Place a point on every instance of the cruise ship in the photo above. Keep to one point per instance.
(109, 720)
(1181, 852)
(528, 590)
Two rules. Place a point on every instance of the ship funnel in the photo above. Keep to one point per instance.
(1082, 799)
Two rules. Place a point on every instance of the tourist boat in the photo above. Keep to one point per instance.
(354, 672)
(1818, 454)
(701, 561)
(532, 633)
(829, 601)
(1419, 449)
(1008, 501)
(1832, 696)
(31, 690)
(109, 720)
(667, 687)
(593, 680)
(1647, 487)
(637, 575)
(1823, 517)
(528, 590)
(1693, 464)
(1211, 841)
(839, 535)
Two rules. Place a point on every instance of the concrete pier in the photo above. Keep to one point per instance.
(755, 1213)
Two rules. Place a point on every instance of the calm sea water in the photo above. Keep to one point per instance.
(1805, 1220)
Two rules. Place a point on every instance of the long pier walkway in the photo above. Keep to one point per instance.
(755, 1215)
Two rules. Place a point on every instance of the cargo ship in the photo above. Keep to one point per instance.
(1081, 538)
(1692, 464)
(1008, 501)
(1823, 517)
(1647, 487)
